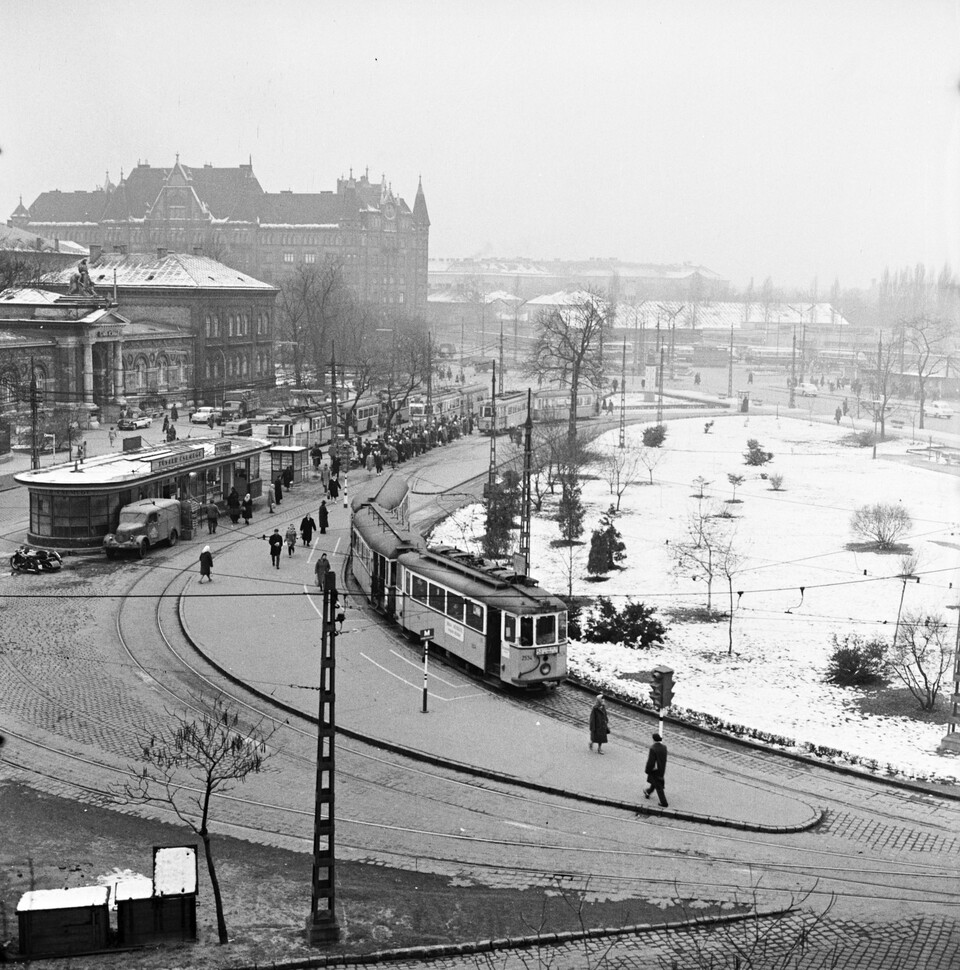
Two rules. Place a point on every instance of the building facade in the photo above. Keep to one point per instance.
(166, 325)
(378, 240)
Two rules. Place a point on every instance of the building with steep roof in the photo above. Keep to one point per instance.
(380, 242)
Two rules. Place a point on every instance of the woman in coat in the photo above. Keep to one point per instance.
(291, 538)
(599, 725)
(206, 564)
(233, 506)
(334, 488)
(307, 525)
(278, 490)
(247, 508)
(323, 518)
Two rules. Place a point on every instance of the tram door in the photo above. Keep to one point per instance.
(378, 581)
(493, 641)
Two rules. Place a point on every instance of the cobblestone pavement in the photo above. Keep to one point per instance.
(65, 682)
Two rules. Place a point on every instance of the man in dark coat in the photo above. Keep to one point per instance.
(278, 490)
(334, 488)
(656, 770)
(276, 547)
(599, 725)
(307, 525)
(213, 514)
(233, 506)
(323, 518)
(321, 569)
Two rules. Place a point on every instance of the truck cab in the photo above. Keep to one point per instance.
(144, 524)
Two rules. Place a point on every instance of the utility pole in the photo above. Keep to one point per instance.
(334, 417)
(526, 500)
(500, 386)
(429, 411)
(461, 348)
(793, 371)
(322, 925)
(730, 368)
(660, 390)
(623, 397)
(492, 473)
(34, 430)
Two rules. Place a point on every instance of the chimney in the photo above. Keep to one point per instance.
(95, 250)
(161, 252)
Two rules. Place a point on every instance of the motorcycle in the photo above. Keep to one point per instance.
(29, 560)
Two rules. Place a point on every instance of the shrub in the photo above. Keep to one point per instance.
(654, 436)
(855, 661)
(755, 455)
(881, 523)
(633, 626)
(606, 546)
(707, 426)
(861, 439)
(776, 482)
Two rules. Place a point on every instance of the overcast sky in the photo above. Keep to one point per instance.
(759, 138)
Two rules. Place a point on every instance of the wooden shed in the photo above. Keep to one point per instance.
(63, 922)
(163, 909)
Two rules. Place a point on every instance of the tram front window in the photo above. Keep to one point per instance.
(547, 629)
(526, 631)
(562, 633)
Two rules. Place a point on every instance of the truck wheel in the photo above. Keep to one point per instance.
(111, 553)
(143, 548)
(174, 537)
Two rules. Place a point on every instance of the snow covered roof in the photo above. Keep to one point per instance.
(75, 898)
(724, 315)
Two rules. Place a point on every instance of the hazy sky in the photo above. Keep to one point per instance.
(758, 137)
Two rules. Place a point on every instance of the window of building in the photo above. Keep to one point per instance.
(288, 257)
(310, 257)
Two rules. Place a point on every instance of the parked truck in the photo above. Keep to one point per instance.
(144, 524)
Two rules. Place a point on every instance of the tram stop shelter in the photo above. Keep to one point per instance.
(74, 505)
(289, 456)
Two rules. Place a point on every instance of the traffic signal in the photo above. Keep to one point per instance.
(661, 687)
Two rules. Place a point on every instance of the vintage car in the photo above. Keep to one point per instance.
(144, 524)
(135, 422)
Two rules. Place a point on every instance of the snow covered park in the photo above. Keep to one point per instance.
(803, 577)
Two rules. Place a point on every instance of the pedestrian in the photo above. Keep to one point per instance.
(323, 517)
(233, 505)
(213, 514)
(206, 564)
(599, 725)
(288, 476)
(656, 770)
(838, 415)
(378, 462)
(246, 507)
(369, 463)
(270, 501)
(307, 528)
(276, 546)
(173, 414)
(334, 489)
(334, 466)
(166, 424)
(210, 421)
(321, 569)
(278, 490)
(291, 538)
(112, 435)
(340, 613)
(325, 479)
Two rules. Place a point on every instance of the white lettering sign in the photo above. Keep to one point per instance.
(453, 629)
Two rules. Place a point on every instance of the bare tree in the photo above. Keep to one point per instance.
(882, 523)
(191, 761)
(568, 348)
(921, 656)
(621, 467)
(708, 547)
(650, 458)
(405, 371)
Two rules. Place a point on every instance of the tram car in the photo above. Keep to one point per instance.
(445, 402)
(498, 625)
(363, 414)
(502, 415)
(553, 404)
(474, 396)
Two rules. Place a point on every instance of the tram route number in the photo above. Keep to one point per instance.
(545, 651)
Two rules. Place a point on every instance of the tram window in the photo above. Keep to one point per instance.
(509, 627)
(438, 597)
(547, 629)
(474, 615)
(419, 591)
(562, 634)
(526, 631)
(455, 607)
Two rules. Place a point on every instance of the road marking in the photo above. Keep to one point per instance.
(419, 665)
(417, 687)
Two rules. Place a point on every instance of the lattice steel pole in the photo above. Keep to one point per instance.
(322, 926)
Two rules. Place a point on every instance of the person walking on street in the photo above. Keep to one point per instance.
(656, 770)
(307, 527)
(323, 517)
(291, 538)
(112, 435)
(173, 414)
(321, 569)
(276, 546)
(325, 479)
(213, 514)
(838, 415)
(334, 489)
(278, 489)
(206, 564)
(599, 725)
(246, 508)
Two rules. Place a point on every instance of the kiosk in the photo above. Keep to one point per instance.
(73, 506)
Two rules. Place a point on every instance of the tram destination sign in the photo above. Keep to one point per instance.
(173, 461)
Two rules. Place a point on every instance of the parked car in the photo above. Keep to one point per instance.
(203, 415)
(937, 409)
(143, 524)
(138, 421)
(806, 389)
(241, 428)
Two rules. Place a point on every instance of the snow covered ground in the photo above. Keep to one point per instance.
(799, 581)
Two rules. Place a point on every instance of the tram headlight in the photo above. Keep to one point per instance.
(545, 669)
